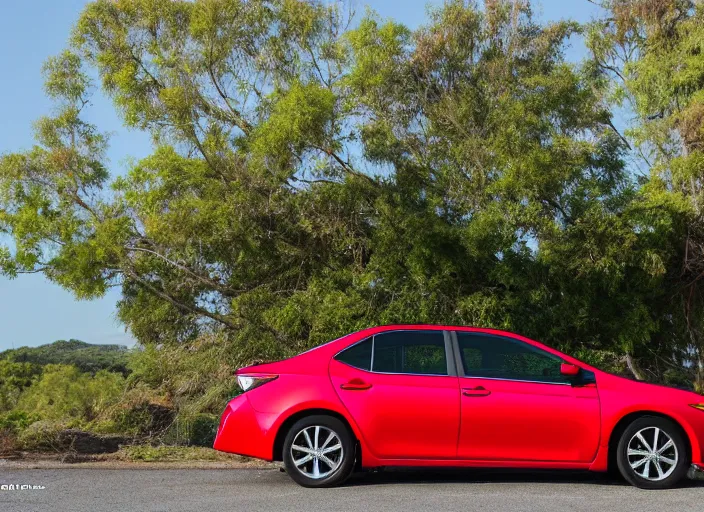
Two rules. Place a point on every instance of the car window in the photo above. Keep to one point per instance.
(358, 355)
(485, 355)
(416, 352)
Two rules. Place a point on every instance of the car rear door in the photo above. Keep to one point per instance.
(517, 406)
(402, 391)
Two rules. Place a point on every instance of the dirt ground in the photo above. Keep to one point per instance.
(112, 461)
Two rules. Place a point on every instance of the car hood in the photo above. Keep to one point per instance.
(650, 389)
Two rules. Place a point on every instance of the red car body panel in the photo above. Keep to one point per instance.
(621, 397)
(497, 429)
(421, 420)
(402, 416)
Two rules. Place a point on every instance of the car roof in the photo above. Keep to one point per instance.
(352, 338)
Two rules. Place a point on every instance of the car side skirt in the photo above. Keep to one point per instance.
(481, 463)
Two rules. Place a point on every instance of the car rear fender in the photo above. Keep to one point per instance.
(291, 395)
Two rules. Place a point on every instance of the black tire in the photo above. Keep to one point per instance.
(674, 432)
(346, 457)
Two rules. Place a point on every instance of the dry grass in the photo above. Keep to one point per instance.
(144, 457)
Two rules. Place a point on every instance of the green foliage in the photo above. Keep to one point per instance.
(12, 424)
(195, 378)
(311, 177)
(65, 394)
(192, 430)
(15, 377)
(651, 56)
(16, 421)
(145, 418)
(41, 435)
(172, 395)
(203, 429)
(85, 356)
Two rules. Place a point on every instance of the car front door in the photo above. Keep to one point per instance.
(402, 392)
(516, 405)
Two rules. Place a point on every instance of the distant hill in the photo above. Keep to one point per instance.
(86, 356)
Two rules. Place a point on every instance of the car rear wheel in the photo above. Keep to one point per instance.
(319, 451)
(652, 453)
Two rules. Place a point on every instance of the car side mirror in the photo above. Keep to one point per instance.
(569, 370)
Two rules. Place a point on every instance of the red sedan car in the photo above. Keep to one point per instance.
(421, 395)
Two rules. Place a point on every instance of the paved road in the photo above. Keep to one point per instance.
(253, 490)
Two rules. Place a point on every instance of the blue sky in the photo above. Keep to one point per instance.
(32, 310)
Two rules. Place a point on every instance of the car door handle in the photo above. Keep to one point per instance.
(356, 385)
(478, 391)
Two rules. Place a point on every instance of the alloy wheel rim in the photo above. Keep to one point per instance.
(652, 454)
(316, 451)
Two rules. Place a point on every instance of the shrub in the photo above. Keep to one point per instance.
(191, 430)
(11, 424)
(8, 441)
(41, 436)
(173, 395)
(197, 376)
(65, 394)
(85, 356)
(14, 378)
(203, 430)
(16, 421)
(142, 419)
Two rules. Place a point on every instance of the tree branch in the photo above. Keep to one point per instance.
(204, 280)
(558, 206)
(633, 368)
(623, 139)
(345, 165)
(180, 305)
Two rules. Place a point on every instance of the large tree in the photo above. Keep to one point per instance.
(652, 54)
(312, 176)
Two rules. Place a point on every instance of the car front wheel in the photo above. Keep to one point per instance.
(652, 453)
(319, 451)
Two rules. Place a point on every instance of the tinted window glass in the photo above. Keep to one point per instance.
(359, 355)
(418, 352)
(504, 358)
(587, 377)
